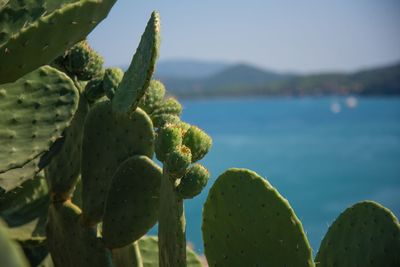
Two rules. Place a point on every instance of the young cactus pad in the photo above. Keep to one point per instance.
(108, 140)
(72, 244)
(132, 202)
(246, 222)
(137, 78)
(365, 234)
(34, 111)
(36, 38)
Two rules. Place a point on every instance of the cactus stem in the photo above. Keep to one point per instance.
(171, 226)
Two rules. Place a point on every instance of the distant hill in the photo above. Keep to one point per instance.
(245, 79)
(186, 68)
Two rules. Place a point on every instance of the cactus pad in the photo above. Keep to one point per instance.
(365, 234)
(137, 78)
(34, 111)
(246, 222)
(63, 171)
(108, 140)
(11, 255)
(44, 32)
(132, 202)
(149, 250)
(79, 245)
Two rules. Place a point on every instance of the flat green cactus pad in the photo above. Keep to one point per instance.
(366, 234)
(25, 211)
(148, 246)
(34, 111)
(108, 141)
(35, 32)
(127, 256)
(132, 202)
(11, 255)
(137, 78)
(246, 222)
(72, 244)
(63, 171)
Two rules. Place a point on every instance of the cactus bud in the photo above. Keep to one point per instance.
(198, 142)
(168, 139)
(153, 97)
(83, 62)
(193, 182)
(169, 106)
(94, 90)
(160, 120)
(178, 161)
(112, 78)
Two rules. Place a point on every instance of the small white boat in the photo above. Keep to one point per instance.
(351, 102)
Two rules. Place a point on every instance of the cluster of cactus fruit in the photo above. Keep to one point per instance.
(78, 184)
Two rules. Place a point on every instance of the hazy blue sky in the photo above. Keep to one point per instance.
(306, 36)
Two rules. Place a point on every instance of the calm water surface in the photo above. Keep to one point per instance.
(320, 154)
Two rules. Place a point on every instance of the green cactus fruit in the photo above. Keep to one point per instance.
(137, 78)
(132, 203)
(94, 90)
(169, 106)
(82, 61)
(178, 161)
(34, 111)
(45, 33)
(108, 140)
(63, 171)
(161, 120)
(128, 256)
(72, 244)
(153, 97)
(111, 80)
(246, 222)
(11, 255)
(148, 246)
(168, 139)
(198, 142)
(193, 182)
(366, 234)
(25, 211)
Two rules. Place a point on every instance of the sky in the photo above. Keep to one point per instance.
(290, 36)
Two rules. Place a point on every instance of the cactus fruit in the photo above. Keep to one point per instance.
(365, 234)
(169, 106)
(109, 140)
(198, 142)
(153, 97)
(178, 161)
(148, 246)
(193, 182)
(137, 78)
(132, 202)
(34, 111)
(63, 171)
(168, 139)
(94, 90)
(82, 61)
(161, 120)
(11, 254)
(80, 245)
(111, 80)
(246, 222)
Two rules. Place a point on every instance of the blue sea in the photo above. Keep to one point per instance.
(322, 154)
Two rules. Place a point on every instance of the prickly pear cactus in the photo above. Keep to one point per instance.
(108, 140)
(33, 33)
(34, 111)
(365, 234)
(246, 222)
(132, 202)
(137, 78)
